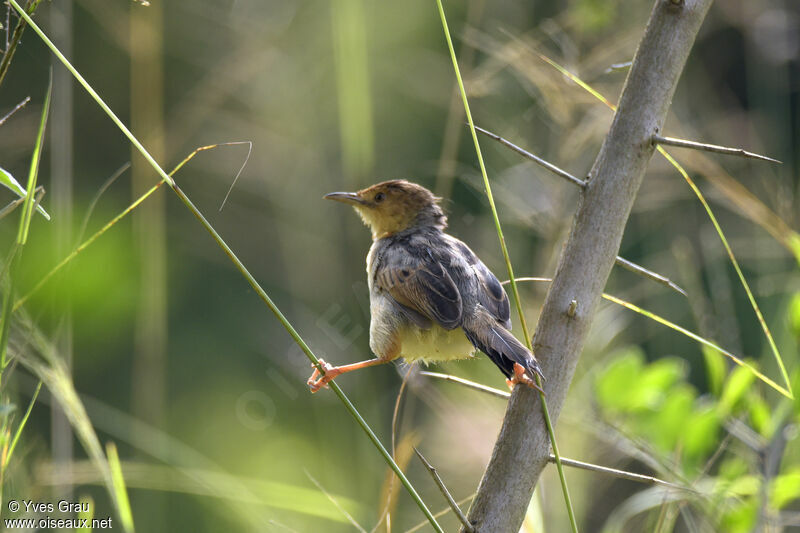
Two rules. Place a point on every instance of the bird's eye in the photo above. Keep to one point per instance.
(379, 197)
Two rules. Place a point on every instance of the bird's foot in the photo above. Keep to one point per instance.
(319, 380)
(521, 377)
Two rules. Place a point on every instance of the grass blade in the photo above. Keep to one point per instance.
(55, 376)
(504, 248)
(786, 392)
(7, 458)
(33, 174)
(126, 516)
(22, 232)
(9, 182)
(763, 323)
(81, 247)
(663, 321)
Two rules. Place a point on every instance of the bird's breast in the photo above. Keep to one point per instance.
(433, 344)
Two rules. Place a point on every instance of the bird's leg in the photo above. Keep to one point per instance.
(521, 377)
(317, 381)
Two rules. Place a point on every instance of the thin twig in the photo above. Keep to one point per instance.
(471, 384)
(334, 502)
(8, 209)
(8, 25)
(16, 108)
(8, 55)
(638, 269)
(633, 267)
(390, 486)
(442, 513)
(117, 173)
(450, 500)
(535, 158)
(622, 474)
(683, 143)
(244, 164)
(396, 412)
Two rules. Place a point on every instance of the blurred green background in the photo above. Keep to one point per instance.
(180, 364)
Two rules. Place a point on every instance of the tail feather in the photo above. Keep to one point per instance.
(502, 348)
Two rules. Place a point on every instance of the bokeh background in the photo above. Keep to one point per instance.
(179, 363)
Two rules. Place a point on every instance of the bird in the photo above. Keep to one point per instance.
(431, 298)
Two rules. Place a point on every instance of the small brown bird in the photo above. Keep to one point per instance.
(431, 298)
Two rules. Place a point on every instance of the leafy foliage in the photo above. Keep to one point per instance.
(719, 442)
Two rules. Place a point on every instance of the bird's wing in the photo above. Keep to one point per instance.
(419, 283)
(491, 294)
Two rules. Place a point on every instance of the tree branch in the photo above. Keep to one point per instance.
(523, 448)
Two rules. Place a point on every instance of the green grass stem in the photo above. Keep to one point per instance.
(507, 259)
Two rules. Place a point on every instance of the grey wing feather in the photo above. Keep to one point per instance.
(491, 294)
(422, 288)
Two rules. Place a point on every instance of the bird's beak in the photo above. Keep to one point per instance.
(346, 197)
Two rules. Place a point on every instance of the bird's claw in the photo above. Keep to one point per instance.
(319, 380)
(521, 377)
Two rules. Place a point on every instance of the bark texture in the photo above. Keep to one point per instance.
(522, 448)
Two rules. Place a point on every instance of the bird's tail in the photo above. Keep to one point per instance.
(501, 346)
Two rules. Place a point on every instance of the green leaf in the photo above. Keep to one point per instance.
(785, 489)
(657, 377)
(738, 383)
(8, 181)
(613, 387)
(741, 518)
(700, 436)
(760, 415)
(731, 468)
(715, 369)
(665, 427)
(743, 486)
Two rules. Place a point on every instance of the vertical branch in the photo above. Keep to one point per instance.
(522, 448)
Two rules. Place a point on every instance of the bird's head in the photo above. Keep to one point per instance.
(392, 206)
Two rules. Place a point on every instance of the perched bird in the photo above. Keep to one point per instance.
(431, 298)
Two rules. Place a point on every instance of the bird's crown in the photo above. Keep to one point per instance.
(395, 205)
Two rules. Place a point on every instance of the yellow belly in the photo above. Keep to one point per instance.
(434, 344)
